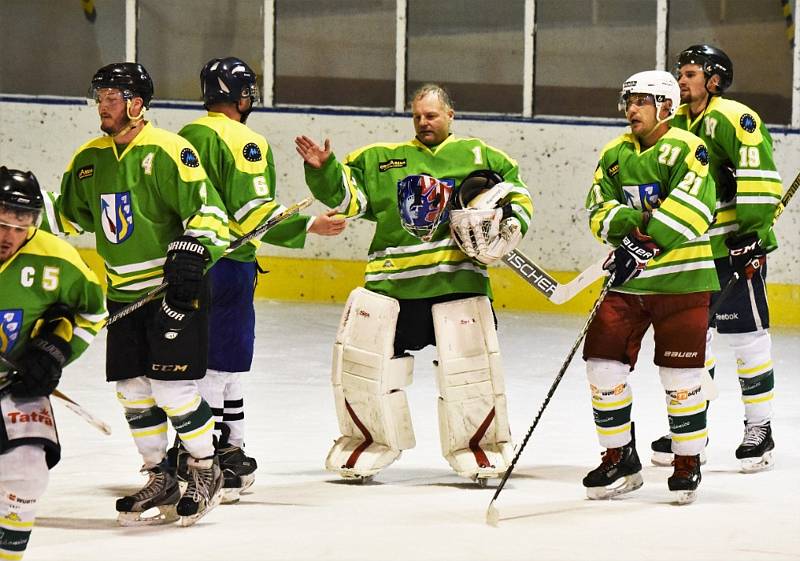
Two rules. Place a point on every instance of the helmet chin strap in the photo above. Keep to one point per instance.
(133, 122)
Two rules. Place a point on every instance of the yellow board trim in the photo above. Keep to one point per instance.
(331, 280)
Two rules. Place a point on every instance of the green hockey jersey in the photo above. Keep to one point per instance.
(239, 163)
(400, 265)
(47, 271)
(136, 203)
(735, 135)
(669, 180)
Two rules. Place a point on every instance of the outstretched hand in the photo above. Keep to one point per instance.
(330, 223)
(310, 151)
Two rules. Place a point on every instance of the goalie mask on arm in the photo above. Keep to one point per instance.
(480, 223)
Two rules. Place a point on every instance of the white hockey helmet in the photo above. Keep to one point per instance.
(658, 83)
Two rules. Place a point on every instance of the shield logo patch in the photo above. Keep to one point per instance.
(116, 215)
(10, 326)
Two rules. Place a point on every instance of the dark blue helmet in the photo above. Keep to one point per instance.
(20, 190)
(129, 77)
(712, 60)
(423, 202)
(228, 80)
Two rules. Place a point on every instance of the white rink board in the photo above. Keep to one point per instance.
(557, 161)
(418, 509)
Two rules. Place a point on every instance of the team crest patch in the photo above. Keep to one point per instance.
(85, 172)
(189, 158)
(10, 326)
(748, 122)
(701, 154)
(251, 152)
(392, 164)
(643, 197)
(116, 215)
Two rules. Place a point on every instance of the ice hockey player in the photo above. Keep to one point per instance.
(239, 163)
(51, 307)
(421, 289)
(156, 218)
(651, 199)
(748, 193)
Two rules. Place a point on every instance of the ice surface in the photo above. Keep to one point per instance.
(418, 509)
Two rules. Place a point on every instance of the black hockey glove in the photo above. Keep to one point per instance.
(745, 254)
(183, 271)
(39, 367)
(631, 257)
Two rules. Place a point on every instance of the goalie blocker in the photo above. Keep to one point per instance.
(372, 409)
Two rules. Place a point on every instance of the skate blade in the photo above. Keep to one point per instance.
(621, 486)
(754, 465)
(684, 497)
(166, 515)
(192, 519)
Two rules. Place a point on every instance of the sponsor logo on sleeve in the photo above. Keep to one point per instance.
(392, 164)
(613, 169)
(85, 172)
(116, 216)
(10, 326)
(702, 154)
(748, 122)
(251, 152)
(189, 158)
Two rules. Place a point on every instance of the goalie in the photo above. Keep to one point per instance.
(423, 287)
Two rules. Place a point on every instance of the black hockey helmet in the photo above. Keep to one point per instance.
(474, 184)
(712, 60)
(228, 80)
(130, 77)
(20, 191)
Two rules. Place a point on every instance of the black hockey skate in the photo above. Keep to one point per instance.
(204, 491)
(685, 478)
(755, 451)
(238, 472)
(662, 452)
(618, 473)
(161, 491)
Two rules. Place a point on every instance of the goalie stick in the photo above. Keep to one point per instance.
(549, 287)
(492, 514)
(70, 404)
(257, 233)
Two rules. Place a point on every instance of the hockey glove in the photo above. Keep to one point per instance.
(474, 229)
(39, 367)
(508, 238)
(631, 257)
(746, 254)
(183, 271)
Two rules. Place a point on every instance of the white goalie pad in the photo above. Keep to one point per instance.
(473, 415)
(372, 409)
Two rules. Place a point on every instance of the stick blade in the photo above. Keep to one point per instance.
(492, 515)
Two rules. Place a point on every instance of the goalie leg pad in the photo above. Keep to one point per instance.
(371, 407)
(473, 415)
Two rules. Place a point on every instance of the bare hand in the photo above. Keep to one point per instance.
(310, 151)
(330, 223)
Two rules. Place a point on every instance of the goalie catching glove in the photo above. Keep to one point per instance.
(184, 269)
(631, 257)
(39, 367)
(480, 226)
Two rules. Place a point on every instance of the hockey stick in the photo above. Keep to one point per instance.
(70, 404)
(236, 244)
(728, 288)
(549, 287)
(492, 514)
